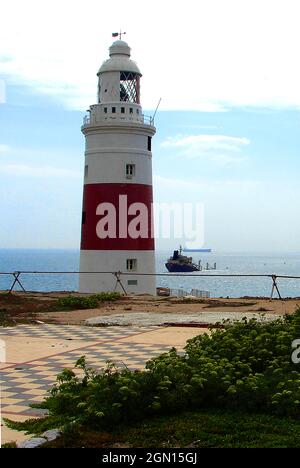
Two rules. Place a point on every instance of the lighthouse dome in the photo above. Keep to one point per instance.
(119, 59)
(119, 48)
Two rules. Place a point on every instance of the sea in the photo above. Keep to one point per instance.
(27, 260)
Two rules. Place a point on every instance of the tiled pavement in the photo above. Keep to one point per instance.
(71, 332)
(24, 383)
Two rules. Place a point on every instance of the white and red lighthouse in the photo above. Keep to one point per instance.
(117, 222)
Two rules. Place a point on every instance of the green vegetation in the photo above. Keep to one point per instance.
(9, 445)
(88, 302)
(208, 429)
(18, 308)
(246, 367)
(5, 319)
(215, 429)
(205, 429)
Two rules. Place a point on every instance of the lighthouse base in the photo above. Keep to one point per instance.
(97, 268)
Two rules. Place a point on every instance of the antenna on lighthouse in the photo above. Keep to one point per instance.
(156, 109)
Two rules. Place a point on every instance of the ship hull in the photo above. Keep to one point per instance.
(172, 268)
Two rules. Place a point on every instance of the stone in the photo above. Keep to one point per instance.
(194, 444)
(31, 443)
(52, 434)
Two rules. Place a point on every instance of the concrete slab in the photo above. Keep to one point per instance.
(156, 319)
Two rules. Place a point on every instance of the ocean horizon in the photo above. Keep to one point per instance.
(67, 260)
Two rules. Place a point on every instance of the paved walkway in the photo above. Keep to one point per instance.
(36, 354)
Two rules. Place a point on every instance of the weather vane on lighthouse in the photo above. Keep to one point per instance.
(120, 34)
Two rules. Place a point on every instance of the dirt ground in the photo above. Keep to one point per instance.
(31, 307)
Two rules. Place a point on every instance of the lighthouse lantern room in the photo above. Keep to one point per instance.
(117, 217)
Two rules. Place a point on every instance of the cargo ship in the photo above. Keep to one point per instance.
(179, 263)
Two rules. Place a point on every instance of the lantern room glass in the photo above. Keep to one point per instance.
(129, 87)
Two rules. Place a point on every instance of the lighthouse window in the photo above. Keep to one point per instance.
(83, 217)
(130, 170)
(99, 92)
(122, 110)
(132, 283)
(113, 110)
(132, 264)
(86, 171)
(129, 87)
(149, 143)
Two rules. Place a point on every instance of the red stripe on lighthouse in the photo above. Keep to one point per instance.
(95, 196)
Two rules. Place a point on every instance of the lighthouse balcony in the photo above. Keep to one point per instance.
(118, 112)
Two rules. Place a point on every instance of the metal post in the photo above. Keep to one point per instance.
(275, 286)
(118, 278)
(16, 275)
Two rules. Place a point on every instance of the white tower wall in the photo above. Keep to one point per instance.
(118, 163)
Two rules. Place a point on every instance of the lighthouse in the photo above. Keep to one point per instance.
(117, 216)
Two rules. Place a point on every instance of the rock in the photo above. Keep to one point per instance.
(51, 435)
(120, 445)
(31, 443)
(194, 444)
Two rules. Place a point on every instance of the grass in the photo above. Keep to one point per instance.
(88, 302)
(5, 319)
(18, 308)
(206, 429)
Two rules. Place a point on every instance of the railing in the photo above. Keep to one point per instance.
(87, 119)
(146, 119)
(118, 277)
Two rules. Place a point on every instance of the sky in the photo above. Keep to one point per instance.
(228, 74)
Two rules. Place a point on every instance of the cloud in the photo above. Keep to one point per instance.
(181, 185)
(19, 170)
(214, 191)
(207, 142)
(221, 149)
(218, 54)
(4, 149)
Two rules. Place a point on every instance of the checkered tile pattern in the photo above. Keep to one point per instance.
(72, 332)
(27, 383)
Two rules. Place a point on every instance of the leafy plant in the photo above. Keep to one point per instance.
(88, 302)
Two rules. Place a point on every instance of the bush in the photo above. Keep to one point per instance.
(108, 296)
(89, 302)
(246, 366)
